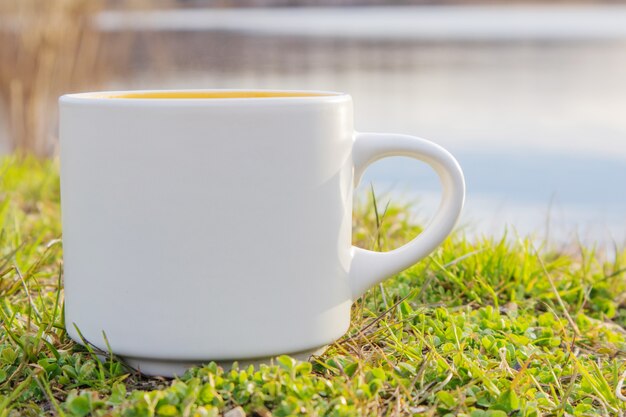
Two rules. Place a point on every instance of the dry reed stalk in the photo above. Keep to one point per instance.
(47, 48)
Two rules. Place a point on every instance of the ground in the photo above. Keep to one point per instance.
(497, 326)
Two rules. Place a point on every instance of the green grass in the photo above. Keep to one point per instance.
(493, 327)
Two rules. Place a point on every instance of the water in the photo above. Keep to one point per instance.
(534, 109)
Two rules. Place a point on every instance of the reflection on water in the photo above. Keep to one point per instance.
(539, 126)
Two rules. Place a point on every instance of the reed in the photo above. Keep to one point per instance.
(47, 48)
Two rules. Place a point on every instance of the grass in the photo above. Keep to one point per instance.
(493, 327)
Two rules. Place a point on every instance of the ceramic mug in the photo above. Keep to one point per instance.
(216, 224)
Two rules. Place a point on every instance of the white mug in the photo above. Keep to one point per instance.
(216, 224)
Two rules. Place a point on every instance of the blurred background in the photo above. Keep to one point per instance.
(530, 96)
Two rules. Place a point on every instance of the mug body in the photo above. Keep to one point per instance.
(206, 226)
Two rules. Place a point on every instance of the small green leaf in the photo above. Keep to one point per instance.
(495, 413)
(379, 373)
(488, 341)
(118, 393)
(304, 368)
(80, 406)
(555, 341)
(207, 393)
(447, 399)
(286, 362)
(351, 369)
(167, 410)
(507, 401)
(9, 355)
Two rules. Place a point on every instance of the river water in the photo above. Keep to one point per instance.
(532, 101)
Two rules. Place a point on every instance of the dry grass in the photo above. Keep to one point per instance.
(47, 48)
(52, 47)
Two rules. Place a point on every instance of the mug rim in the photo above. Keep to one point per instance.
(120, 97)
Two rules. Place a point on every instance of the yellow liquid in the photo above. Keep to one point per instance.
(216, 94)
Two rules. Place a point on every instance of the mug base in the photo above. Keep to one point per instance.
(172, 368)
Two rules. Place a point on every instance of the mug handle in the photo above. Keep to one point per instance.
(369, 267)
